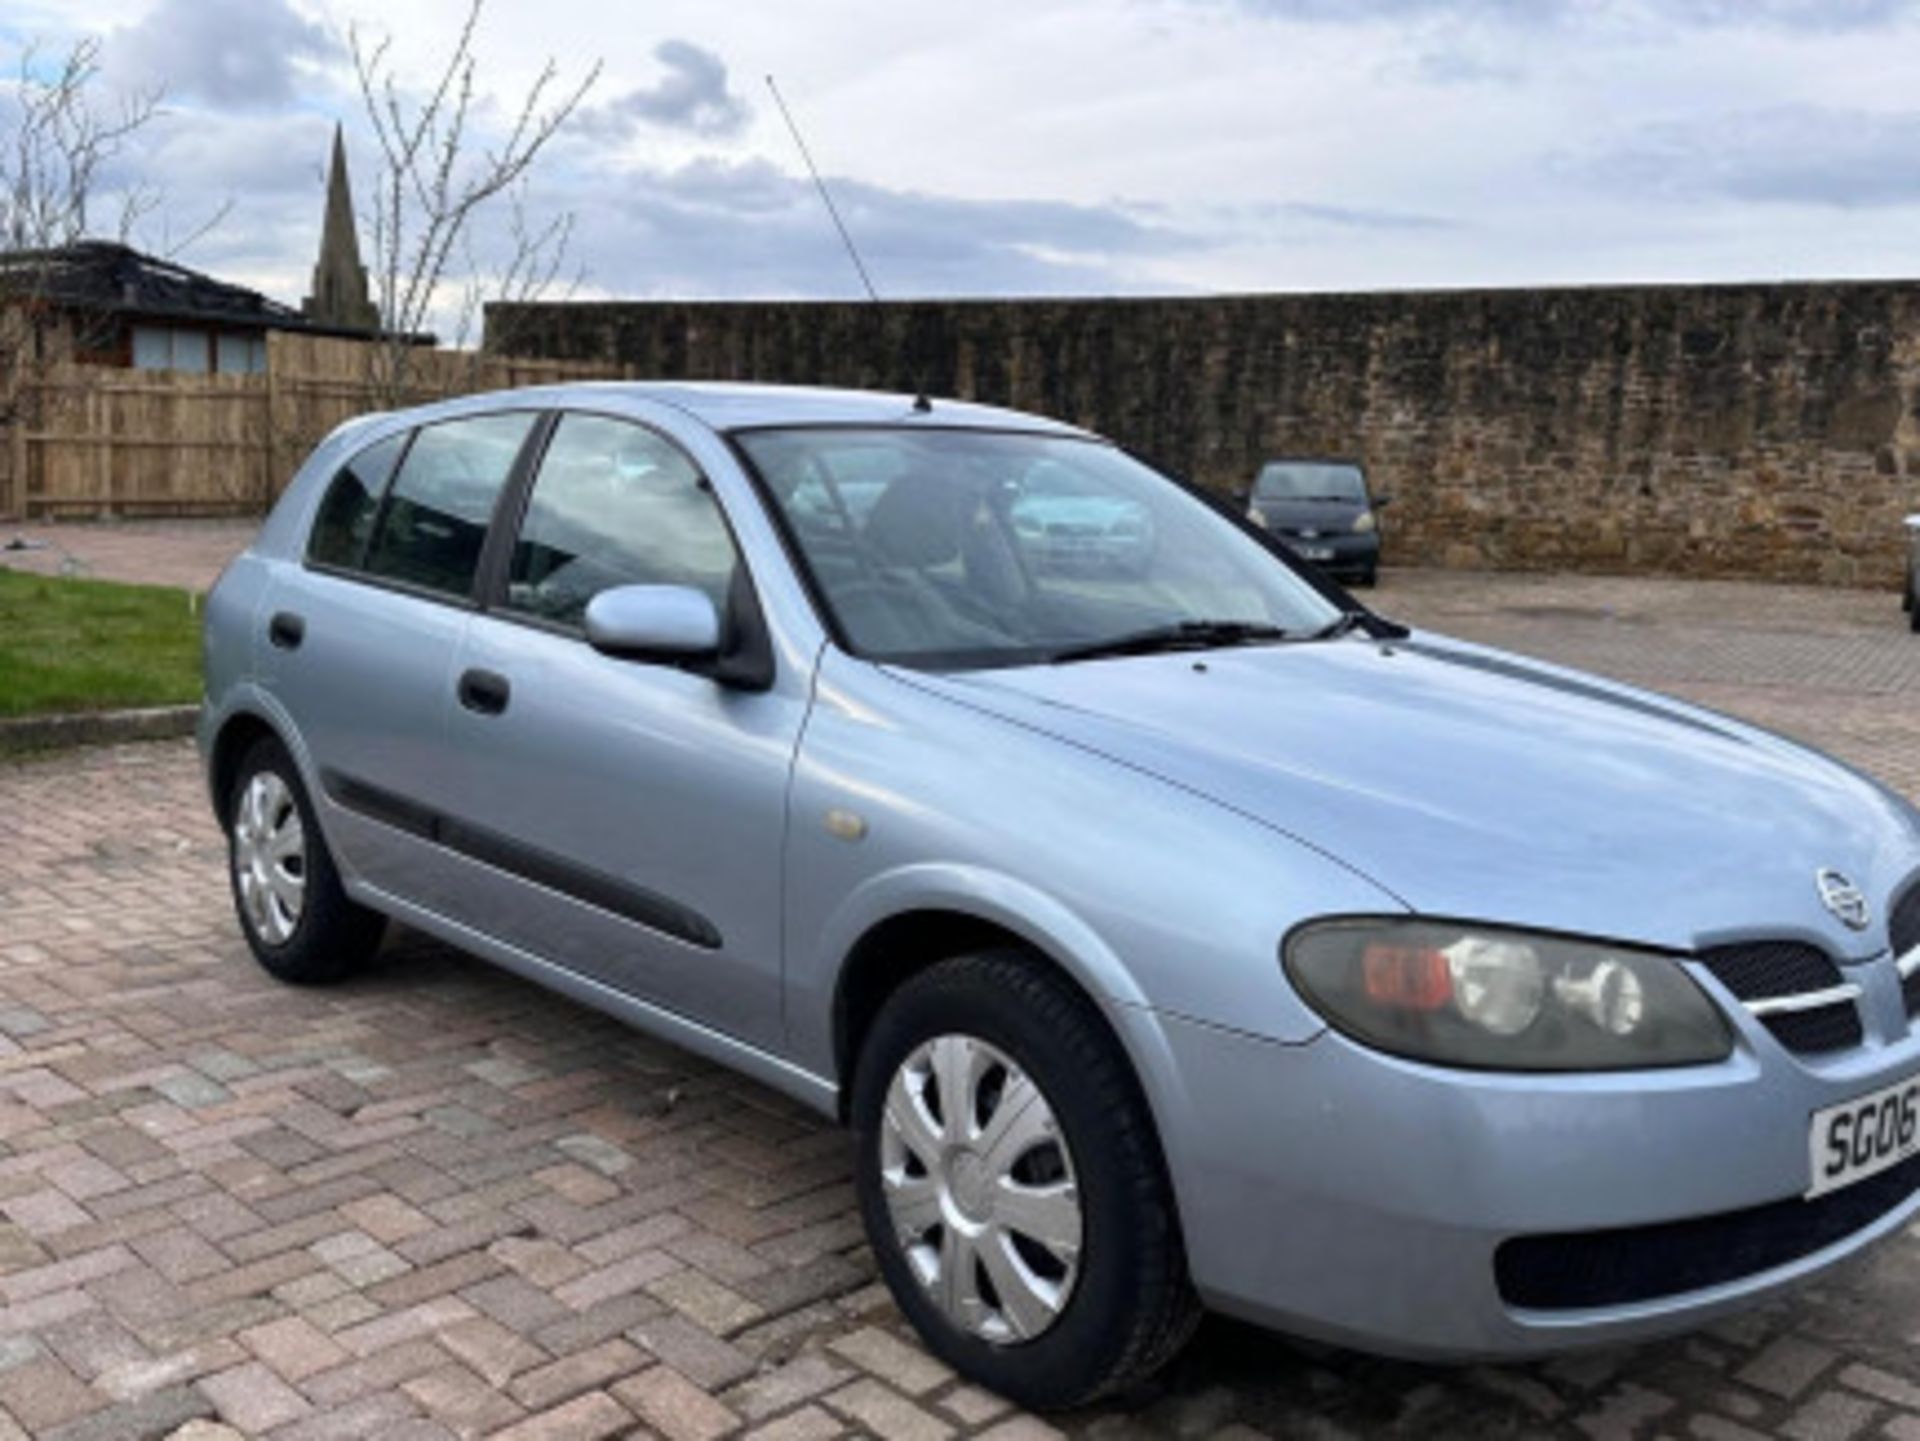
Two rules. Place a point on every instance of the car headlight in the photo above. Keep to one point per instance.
(1253, 514)
(1364, 522)
(1494, 999)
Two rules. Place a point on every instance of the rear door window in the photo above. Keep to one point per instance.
(435, 522)
(346, 516)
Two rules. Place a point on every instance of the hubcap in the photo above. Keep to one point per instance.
(270, 858)
(980, 1187)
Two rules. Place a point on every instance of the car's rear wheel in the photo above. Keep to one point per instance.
(1013, 1187)
(293, 910)
(1913, 601)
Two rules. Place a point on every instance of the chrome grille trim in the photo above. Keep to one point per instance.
(1805, 1001)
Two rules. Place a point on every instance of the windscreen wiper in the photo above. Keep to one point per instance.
(1376, 626)
(1346, 621)
(1186, 635)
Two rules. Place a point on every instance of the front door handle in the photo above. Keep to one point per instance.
(286, 630)
(484, 692)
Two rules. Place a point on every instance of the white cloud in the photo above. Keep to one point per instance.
(245, 54)
(1258, 144)
(750, 228)
(693, 95)
(1791, 14)
(1791, 155)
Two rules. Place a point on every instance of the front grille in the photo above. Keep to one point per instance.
(1772, 970)
(1763, 970)
(1644, 1263)
(1903, 930)
(1814, 1033)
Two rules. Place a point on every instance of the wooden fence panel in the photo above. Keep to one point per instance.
(103, 441)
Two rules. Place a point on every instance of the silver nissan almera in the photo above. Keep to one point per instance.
(1172, 931)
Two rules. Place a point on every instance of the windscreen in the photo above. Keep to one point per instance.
(965, 548)
(1310, 480)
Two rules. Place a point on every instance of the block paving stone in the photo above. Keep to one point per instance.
(437, 1202)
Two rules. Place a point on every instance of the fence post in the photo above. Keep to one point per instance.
(100, 426)
(270, 431)
(18, 447)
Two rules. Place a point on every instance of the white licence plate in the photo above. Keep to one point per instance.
(1863, 1137)
(1315, 552)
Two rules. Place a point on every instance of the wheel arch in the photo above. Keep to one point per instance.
(238, 733)
(891, 953)
(251, 715)
(916, 922)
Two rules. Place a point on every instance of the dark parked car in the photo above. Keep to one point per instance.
(1910, 598)
(1322, 510)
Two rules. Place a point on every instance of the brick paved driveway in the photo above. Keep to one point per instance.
(439, 1202)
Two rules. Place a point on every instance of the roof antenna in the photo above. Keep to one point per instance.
(920, 401)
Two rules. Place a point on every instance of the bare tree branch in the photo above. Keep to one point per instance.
(436, 174)
(58, 141)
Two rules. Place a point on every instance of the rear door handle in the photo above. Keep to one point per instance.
(484, 692)
(286, 630)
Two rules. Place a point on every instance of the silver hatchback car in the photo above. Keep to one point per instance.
(1171, 934)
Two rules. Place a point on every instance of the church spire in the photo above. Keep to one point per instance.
(339, 295)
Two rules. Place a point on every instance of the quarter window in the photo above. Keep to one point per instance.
(435, 522)
(615, 504)
(345, 518)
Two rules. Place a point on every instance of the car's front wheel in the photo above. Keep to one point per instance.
(1013, 1187)
(293, 910)
(1913, 601)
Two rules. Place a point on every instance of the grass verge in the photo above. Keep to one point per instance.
(84, 645)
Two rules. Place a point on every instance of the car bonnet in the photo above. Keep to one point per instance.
(1479, 785)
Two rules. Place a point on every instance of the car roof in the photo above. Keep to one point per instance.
(729, 405)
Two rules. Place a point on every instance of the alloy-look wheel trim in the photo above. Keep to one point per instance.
(980, 1188)
(270, 858)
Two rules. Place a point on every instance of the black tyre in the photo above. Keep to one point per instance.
(1913, 602)
(1013, 1187)
(1369, 579)
(295, 915)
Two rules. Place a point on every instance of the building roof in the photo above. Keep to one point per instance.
(102, 275)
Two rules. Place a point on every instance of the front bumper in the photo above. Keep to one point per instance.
(1330, 1191)
(1353, 553)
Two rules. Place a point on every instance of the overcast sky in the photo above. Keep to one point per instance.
(1067, 146)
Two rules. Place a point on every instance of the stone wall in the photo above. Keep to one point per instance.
(1742, 430)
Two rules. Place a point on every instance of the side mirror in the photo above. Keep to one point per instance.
(654, 622)
(1381, 502)
(1242, 493)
